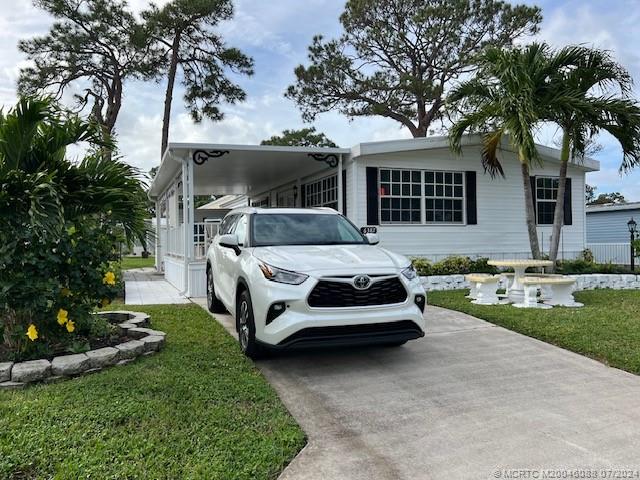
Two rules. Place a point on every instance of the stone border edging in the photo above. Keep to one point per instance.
(143, 341)
(590, 281)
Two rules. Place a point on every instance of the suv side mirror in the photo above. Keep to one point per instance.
(230, 240)
(372, 238)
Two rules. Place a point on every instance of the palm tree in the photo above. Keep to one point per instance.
(45, 199)
(40, 184)
(507, 97)
(587, 87)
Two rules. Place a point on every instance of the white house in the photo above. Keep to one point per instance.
(422, 199)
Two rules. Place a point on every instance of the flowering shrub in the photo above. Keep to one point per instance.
(60, 226)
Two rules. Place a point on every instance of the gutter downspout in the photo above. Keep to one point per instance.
(340, 199)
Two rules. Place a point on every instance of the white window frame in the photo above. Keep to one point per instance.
(323, 192)
(423, 197)
(545, 200)
(391, 196)
(443, 197)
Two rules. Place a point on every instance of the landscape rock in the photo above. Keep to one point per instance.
(103, 357)
(140, 320)
(139, 332)
(68, 365)
(125, 327)
(5, 371)
(31, 371)
(153, 343)
(130, 349)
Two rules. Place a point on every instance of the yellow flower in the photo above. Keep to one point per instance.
(70, 326)
(32, 332)
(62, 316)
(105, 302)
(109, 278)
(65, 292)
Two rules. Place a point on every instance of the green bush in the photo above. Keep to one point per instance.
(458, 265)
(422, 266)
(453, 265)
(587, 255)
(585, 264)
(60, 224)
(583, 267)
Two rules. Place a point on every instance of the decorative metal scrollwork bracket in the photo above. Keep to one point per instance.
(330, 159)
(201, 156)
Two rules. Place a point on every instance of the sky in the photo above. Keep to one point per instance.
(276, 34)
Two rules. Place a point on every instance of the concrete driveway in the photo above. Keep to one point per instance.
(470, 400)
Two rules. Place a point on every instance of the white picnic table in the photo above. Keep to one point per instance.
(516, 290)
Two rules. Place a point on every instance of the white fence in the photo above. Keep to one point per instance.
(617, 253)
(173, 239)
(203, 234)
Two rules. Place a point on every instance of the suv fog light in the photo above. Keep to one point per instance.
(420, 301)
(275, 311)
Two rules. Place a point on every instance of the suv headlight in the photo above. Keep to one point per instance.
(282, 276)
(410, 273)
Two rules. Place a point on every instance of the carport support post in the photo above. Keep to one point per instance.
(158, 235)
(340, 199)
(187, 214)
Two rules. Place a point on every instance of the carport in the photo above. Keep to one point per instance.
(267, 175)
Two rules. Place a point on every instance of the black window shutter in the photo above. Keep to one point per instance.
(372, 196)
(568, 217)
(533, 197)
(344, 192)
(303, 197)
(472, 208)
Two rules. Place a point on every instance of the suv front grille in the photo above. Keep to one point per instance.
(330, 294)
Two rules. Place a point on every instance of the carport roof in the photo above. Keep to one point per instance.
(239, 169)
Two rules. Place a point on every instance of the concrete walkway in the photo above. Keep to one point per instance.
(144, 286)
(470, 400)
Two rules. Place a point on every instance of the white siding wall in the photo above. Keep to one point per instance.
(501, 230)
(174, 272)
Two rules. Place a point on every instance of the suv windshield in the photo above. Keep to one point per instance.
(303, 229)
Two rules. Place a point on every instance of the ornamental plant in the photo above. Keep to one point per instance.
(61, 222)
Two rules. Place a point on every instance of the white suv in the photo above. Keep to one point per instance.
(297, 277)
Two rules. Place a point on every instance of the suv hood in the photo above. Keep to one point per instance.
(309, 258)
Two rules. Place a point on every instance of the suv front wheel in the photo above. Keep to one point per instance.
(246, 326)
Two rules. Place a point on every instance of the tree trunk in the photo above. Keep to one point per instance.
(171, 80)
(558, 214)
(421, 131)
(528, 204)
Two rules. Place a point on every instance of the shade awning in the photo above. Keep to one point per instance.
(242, 169)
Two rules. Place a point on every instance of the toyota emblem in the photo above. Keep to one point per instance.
(361, 282)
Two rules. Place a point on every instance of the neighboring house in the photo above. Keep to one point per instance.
(422, 199)
(215, 210)
(607, 231)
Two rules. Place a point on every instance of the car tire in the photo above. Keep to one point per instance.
(213, 304)
(246, 327)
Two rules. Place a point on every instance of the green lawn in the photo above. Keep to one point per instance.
(137, 262)
(198, 409)
(607, 328)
